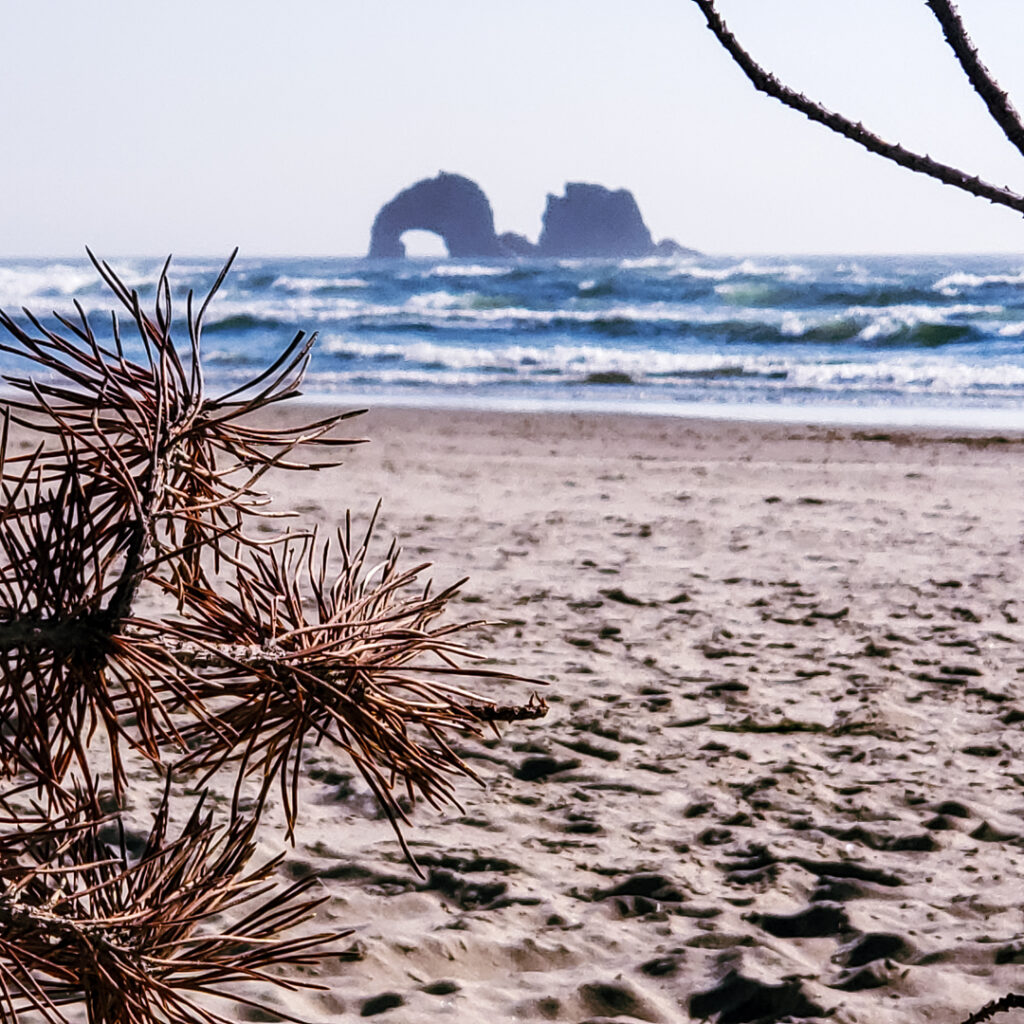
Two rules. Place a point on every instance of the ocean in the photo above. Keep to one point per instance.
(916, 340)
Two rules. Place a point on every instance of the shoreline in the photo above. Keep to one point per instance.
(851, 418)
(912, 418)
(379, 423)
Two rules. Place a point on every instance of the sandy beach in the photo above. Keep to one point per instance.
(781, 775)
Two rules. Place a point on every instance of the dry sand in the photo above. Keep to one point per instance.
(781, 777)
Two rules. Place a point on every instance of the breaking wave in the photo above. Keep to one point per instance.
(871, 331)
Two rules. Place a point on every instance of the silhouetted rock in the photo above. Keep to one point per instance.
(514, 244)
(449, 205)
(588, 221)
(591, 220)
(670, 247)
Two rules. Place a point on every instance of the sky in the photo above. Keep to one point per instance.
(194, 126)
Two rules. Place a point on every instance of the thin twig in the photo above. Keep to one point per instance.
(766, 82)
(995, 98)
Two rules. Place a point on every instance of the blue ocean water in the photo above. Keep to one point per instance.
(917, 339)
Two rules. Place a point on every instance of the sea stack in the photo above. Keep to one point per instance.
(449, 205)
(593, 221)
(588, 221)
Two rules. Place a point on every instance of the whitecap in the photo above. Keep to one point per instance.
(885, 321)
(25, 286)
(958, 282)
(467, 270)
(919, 376)
(746, 268)
(312, 284)
(654, 262)
(438, 300)
(564, 361)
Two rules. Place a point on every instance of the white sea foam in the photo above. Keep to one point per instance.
(746, 268)
(447, 307)
(693, 326)
(956, 283)
(305, 285)
(43, 287)
(443, 308)
(856, 272)
(302, 308)
(532, 361)
(560, 364)
(402, 377)
(888, 320)
(299, 309)
(439, 300)
(796, 324)
(935, 376)
(919, 313)
(654, 262)
(24, 286)
(468, 270)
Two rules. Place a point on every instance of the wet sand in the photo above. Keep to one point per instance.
(781, 777)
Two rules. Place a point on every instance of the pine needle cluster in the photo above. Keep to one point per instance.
(141, 484)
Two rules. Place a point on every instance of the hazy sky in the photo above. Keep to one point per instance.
(193, 126)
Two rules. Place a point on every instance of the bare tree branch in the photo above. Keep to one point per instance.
(767, 83)
(999, 105)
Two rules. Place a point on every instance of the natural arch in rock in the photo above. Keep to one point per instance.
(449, 205)
(424, 244)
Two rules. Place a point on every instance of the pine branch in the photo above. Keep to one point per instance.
(353, 659)
(81, 921)
(143, 480)
(142, 470)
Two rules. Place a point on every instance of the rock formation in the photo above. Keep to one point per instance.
(449, 205)
(514, 244)
(589, 221)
